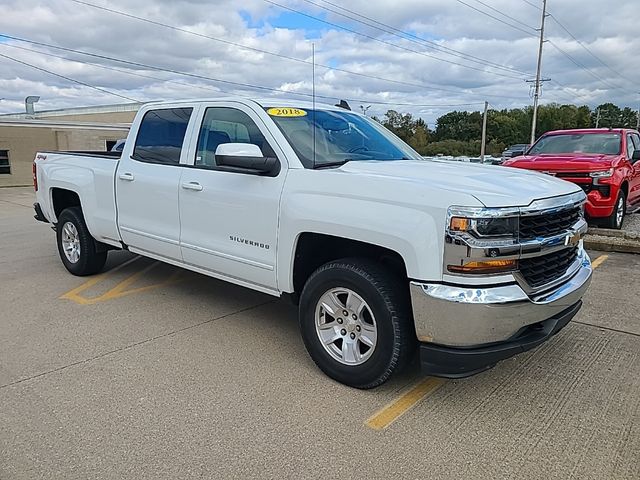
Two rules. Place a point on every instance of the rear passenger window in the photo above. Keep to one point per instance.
(161, 136)
(227, 125)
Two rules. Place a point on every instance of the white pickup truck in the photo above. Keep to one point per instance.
(384, 252)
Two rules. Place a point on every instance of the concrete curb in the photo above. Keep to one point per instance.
(626, 240)
(607, 232)
(612, 244)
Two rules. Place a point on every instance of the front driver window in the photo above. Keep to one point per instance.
(227, 125)
(630, 147)
(636, 141)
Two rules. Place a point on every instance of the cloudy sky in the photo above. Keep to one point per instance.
(426, 57)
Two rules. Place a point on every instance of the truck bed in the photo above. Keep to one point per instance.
(91, 175)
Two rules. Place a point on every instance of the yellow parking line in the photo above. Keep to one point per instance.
(120, 290)
(74, 294)
(599, 261)
(390, 413)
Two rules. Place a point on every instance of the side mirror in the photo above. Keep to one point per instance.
(517, 153)
(246, 158)
(636, 156)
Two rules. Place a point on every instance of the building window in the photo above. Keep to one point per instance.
(5, 167)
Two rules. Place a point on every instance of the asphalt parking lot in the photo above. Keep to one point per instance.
(148, 371)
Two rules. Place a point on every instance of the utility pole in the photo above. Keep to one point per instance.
(597, 117)
(538, 80)
(484, 131)
(638, 120)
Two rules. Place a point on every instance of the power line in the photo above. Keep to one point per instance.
(240, 84)
(568, 91)
(299, 60)
(561, 25)
(532, 4)
(464, 3)
(586, 69)
(68, 78)
(505, 15)
(105, 57)
(391, 44)
(498, 19)
(588, 49)
(113, 69)
(409, 36)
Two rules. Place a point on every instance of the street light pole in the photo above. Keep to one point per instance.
(536, 93)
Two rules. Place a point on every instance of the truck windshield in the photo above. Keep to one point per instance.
(606, 143)
(339, 137)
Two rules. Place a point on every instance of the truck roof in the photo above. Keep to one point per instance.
(590, 130)
(261, 101)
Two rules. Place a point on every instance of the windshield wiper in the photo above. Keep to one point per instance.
(331, 164)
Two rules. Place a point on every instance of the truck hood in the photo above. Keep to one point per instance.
(493, 186)
(564, 162)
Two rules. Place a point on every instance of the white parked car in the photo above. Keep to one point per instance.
(385, 252)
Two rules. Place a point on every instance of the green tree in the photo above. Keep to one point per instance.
(402, 125)
(610, 115)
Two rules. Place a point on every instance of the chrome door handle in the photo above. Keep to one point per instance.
(126, 176)
(192, 186)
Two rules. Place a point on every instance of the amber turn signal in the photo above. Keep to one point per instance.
(484, 266)
(459, 224)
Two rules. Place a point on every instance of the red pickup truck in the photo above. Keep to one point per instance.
(604, 162)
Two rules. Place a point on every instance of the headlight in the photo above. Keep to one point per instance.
(493, 229)
(485, 227)
(601, 173)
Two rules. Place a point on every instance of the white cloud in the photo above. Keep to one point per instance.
(419, 78)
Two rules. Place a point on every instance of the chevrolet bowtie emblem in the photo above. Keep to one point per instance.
(572, 239)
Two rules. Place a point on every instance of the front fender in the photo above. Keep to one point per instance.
(410, 231)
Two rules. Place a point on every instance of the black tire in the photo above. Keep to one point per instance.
(612, 221)
(386, 295)
(92, 258)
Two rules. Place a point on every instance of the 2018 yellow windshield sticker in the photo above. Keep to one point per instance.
(286, 112)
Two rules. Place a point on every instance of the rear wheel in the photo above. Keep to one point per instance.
(356, 323)
(617, 216)
(78, 250)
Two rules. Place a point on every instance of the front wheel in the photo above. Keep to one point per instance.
(356, 323)
(77, 248)
(617, 216)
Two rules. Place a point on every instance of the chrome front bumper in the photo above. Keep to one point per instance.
(461, 316)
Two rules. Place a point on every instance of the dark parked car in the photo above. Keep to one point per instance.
(515, 151)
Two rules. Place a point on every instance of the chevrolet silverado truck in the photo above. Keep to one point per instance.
(603, 162)
(383, 251)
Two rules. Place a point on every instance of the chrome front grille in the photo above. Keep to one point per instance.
(546, 225)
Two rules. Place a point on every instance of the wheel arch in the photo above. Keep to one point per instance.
(624, 187)
(62, 198)
(315, 249)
